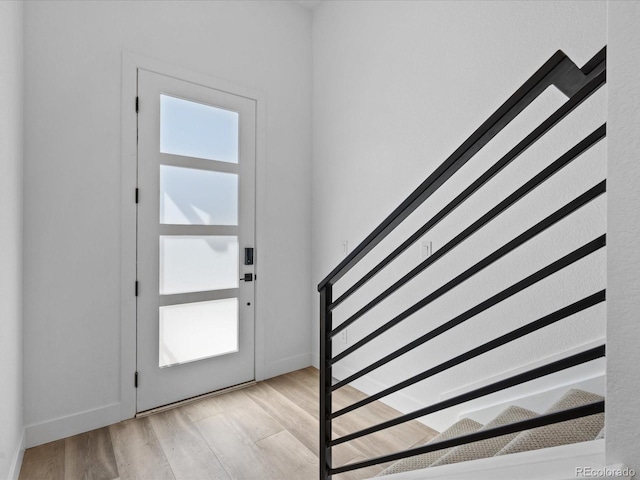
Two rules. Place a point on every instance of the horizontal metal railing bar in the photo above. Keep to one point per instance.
(509, 157)
(476, 352)
(525, 189)
(552, 219)
(598, 60)
(531, 89)
(540, 421)
(563, 364)
(570, 78)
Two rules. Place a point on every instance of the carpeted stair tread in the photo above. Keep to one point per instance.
(572, 431)
(489, 447)
(464, 426)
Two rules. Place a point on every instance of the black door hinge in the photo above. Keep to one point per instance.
(137, 195)
(136, 288)
(135, 380)
(137, 104)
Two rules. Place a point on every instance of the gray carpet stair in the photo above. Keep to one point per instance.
(564, 433)
(461, 427)
(491, 446)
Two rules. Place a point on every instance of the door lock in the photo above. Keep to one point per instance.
(248, 256)
(248, 277)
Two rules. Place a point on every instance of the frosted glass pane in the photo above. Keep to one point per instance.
(195, 130)
(198, 197)
(198, 263)
(194, 331)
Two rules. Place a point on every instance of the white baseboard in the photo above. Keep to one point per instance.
(538, 402)
(16, 461)
(586, 370)
(537, 395)
(558, 463)
(286, 365)
(70, 425)
(400, 401)
(62, 427)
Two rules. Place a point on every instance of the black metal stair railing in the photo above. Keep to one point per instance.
(578, 84)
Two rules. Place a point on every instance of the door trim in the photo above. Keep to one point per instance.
(128, 213)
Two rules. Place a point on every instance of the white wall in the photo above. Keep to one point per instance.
(72, 181)
(11, 138)
(397, 87)
(623, 257)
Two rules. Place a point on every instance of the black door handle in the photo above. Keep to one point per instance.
(248, 277)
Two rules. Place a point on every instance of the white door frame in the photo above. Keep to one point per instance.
(128, 221)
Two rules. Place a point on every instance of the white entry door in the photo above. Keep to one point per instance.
(196, 211)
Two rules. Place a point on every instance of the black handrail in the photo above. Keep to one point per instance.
(559, 70)
(578, 85)
(516, 151)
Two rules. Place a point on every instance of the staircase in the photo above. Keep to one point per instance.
(573, 431)
(578, 416)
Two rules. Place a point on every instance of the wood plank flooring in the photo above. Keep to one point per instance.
(268, 431)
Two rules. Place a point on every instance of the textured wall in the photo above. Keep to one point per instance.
(623, 230)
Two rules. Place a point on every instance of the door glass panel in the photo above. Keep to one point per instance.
(199, 330)
(198, 263)
(198, 197)
(196, 130)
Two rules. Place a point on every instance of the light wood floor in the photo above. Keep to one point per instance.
(268, 431)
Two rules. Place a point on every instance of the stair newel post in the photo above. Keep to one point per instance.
(325, 381)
